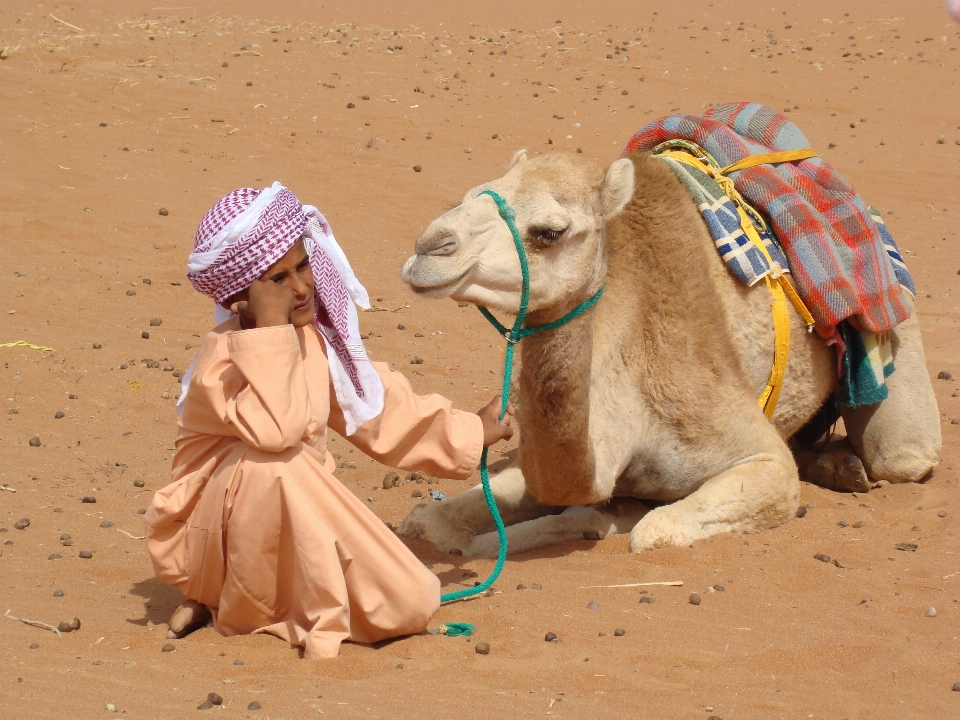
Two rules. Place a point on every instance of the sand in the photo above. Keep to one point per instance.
(111, 111)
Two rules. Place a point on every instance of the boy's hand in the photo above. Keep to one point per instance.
(268, 304)
(494, 429)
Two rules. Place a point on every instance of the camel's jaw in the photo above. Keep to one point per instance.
(435, 277)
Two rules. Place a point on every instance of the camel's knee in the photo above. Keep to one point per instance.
(898, 439)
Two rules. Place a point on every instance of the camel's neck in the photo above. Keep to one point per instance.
(556, 454)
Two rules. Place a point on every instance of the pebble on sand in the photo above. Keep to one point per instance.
(416, 361)
(619, 632)
(138, 483)
(22, 524)
(694, 598)
(168, 647)
(155, 322)
(417, 168)
(58, 415)
(131, 292)
(391, 480)
(88, 500)
(646, 600)
(254, 706)
(944, 375)
(163, 211)
(482, 648)
(822, 557)
(64, 627)
(58, 592)
(106, 523)
(145, 335)
(212, 699)
(931, 611)
(34, 442)
(956, 687)
(86, 554)
(72, 396)
(801, 511)
(551, 637)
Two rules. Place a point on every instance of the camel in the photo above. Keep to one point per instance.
(651, 395)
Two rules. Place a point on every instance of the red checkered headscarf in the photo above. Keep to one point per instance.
(248, 231)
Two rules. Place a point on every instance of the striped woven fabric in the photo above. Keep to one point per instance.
(836, 251)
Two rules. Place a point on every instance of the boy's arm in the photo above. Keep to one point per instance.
(416, 432)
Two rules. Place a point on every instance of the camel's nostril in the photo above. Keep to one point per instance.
(443, 245)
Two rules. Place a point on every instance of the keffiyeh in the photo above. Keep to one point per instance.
(249, 230)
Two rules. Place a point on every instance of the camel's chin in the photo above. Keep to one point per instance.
(431, 277)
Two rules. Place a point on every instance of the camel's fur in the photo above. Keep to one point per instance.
(652, 394)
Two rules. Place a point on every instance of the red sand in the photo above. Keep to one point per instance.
(790, 637)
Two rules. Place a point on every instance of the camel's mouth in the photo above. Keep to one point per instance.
(425, 274)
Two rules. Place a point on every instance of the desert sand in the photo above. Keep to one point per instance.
(123, 122)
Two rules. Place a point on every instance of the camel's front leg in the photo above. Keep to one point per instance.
(760, 493)
(453, 524)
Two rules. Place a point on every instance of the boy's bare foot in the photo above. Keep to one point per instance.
(185, 619)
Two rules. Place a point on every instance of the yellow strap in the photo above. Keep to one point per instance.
(769, 159)
(24, 343)
(778, 284)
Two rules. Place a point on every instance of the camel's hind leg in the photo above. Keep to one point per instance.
(898, 439)
(760, 493)
(453, 524)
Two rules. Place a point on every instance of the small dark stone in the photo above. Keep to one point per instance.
(145, 335)
(619, 632)
(843, 523)
(146, 281)
(401, 327)
(417, 168)
(214, 699)
(858, 524)
(103, 124)
(71, 396)
(131, 292)
(416, 361)
(956, 687)
(106, 523)
(351, 106)
(521, 586)
(944, 375)
(801, 511)
(551, 637)
(238, 663)
(86, 554)
(907, 546)
(391, 480)
(942, 513)
(223, 65)
(34, 442)
(138, 483)
(482, 648)
(719, 588)
(163, 211)
(168, 647)
(74, 623)
(536, 586)
(88, 499)
(822, 557)
(646, 600)
(694, 598)
(22, 524)
(249, 84)
(58, 592)
(155, 322)
(624, 93)
(58, 414)
(255, 705)
(64, 627)
(34, 646)
(97, 662)
(65, 536)
(54, 556)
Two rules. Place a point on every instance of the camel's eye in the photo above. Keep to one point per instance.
(546, 235)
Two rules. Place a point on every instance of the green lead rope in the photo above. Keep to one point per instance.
(512, 336)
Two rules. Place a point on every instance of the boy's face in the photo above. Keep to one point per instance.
(292, 270)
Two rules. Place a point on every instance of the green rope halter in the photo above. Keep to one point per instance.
(512, 336)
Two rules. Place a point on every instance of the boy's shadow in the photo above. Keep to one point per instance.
(159, 601)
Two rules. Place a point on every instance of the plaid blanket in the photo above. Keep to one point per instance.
(836, 250)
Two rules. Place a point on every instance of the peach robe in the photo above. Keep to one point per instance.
(256, 527)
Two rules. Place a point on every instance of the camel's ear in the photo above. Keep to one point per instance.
(518, 157)
(617, 188)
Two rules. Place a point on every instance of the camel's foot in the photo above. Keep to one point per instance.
(438, 527)
(838, 470)
(666, 527)
(185, 619)
(760, 493)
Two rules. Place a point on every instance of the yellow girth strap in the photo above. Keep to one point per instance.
(778, 284)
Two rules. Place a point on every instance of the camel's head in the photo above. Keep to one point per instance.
(562, 203)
